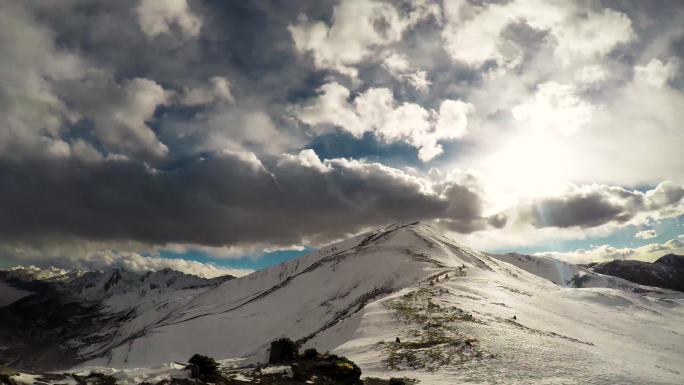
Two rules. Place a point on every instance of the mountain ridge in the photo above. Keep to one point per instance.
(666, 272)
(60, 313)
(404, 300)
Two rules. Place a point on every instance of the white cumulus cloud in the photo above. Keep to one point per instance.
(157, 17)
(555, 107)
(603, 253)
(140, 264)
(646, 234)
(376, 111)
(398, 66)
(122, 124)
(656, 72)
(218, 90)
(357, 29)
(474, 33)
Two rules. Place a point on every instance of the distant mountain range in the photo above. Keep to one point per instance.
(54, 318)
(400, 301)
(666, 272)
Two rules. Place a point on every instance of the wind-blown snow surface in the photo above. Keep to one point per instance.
(341, 299)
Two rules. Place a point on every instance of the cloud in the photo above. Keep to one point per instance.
(50, 90)
(60, 102)
(591, 75)
(137, 263)
(646, 234)
(476, 34)
(635, 117)
(604, 253)
(331, 107)
(399, 67)
(656, 73)
(254, 251)
(158, 17)
(207, 127)
(595, 205)
(235, 128)
(228, 199)
(590, 35)
(555, 107)
(613, 125)
(32, 114)
(472, 34)
(217, 91)
(121, 122)
(357, 28)
(114, 118)
(376, 111)
(95, 255)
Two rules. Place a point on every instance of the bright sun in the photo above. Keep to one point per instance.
(530, 164)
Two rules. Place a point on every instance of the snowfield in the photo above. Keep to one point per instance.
(406, 301)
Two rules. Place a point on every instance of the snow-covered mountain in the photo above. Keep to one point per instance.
(53, 318)
(667, 271)
(566, 274)
(399, 301)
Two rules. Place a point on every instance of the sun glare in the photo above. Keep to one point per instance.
(530, 164)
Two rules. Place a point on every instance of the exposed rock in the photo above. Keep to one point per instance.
(330, 368)
(667, 272)
(94, 379)
(673, 260)
(6, 376)
(282, 351)
(66, 314)
(310, 354)
(202, 366)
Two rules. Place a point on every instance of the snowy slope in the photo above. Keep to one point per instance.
(559, 335)
(554, 270)
(452, 308)
(462, 316)
(299, 298)
(563, 273)
(77, 315)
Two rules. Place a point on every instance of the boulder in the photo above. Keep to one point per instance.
(202, 366)
(283, 350)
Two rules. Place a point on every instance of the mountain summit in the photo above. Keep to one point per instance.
(401, 300)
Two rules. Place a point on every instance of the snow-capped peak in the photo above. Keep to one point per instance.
(357, 296)
(34, 273)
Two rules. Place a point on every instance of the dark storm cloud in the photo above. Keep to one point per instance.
(117, 104)
(246, 43)
(112, 128)
(595, 205)
(230, 198)
(580, 210)
(244, 40)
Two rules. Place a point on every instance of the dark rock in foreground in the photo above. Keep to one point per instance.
(311, 367)
(282, 351)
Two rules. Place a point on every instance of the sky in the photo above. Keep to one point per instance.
(221, 137)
